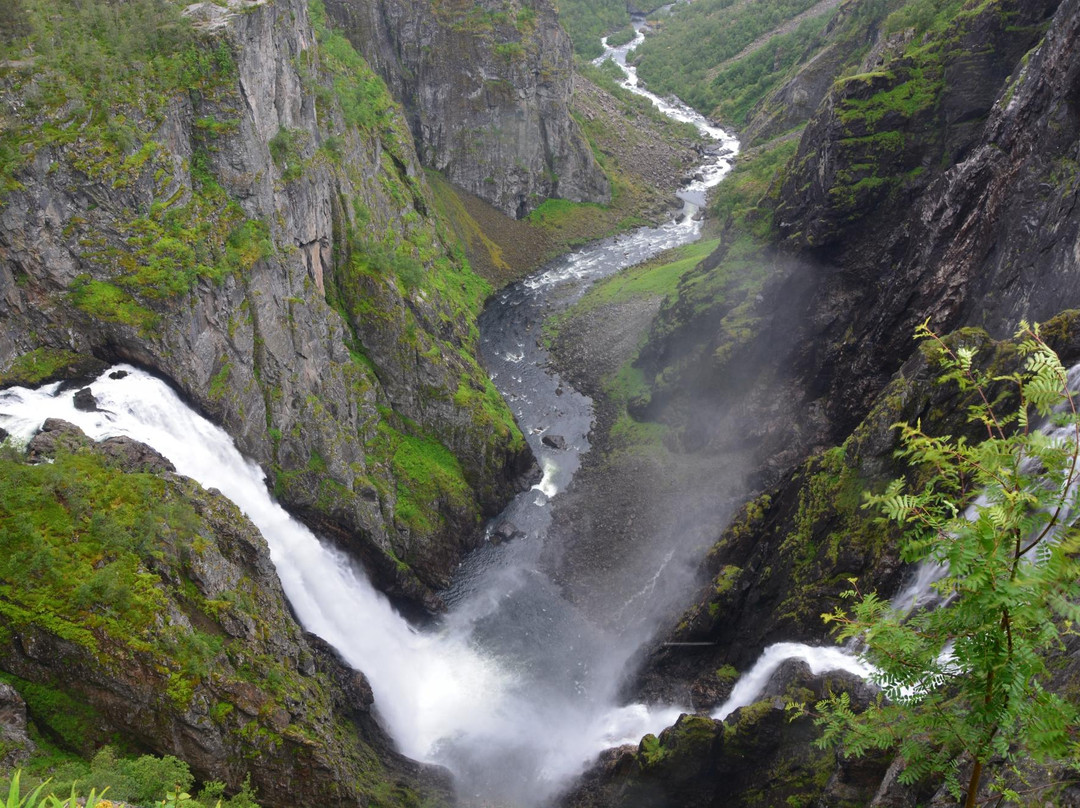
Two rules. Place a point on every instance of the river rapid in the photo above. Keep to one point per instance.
(514, 689)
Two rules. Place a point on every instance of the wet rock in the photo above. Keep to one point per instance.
(118, 374)
(85, 401)
(56, 435)
(132, 456)
(554, 442)
(506, 531)
(15, 744)
(3, 434)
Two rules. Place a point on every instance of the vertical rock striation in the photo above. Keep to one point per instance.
(271, 249)
(486, 88)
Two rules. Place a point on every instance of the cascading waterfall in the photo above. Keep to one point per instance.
(425, 686)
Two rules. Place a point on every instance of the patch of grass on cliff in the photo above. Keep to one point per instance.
(94, 81)
(746, 197)
(588, 20)
(81, 543)
(360, 91)
(106, 301)
(41, 365)
(95, 78)
(428, 476)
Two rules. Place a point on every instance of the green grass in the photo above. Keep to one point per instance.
(746, 194)
(621, 37)
(100, 81)
(142, 780)
(588, 20)
(735, 89)
(702, 34)
(428, 476)
(39, 365)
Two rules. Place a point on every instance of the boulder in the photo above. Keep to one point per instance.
(132, 456)
(554, 441)
(56, 435)
(85, 401)
(15, 745)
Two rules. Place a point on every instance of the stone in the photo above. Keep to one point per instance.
(132, 456)
(496, 124)
(56, 435)
(15, 744)
(118, 374)
(554, 441)
(85, 401)
(506, 531)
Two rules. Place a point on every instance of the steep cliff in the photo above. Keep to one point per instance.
(486, 88)
(891, 210)
(232, 199)
(938, 181)
(140, 610)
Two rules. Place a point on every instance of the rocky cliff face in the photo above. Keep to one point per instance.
(937, 183)
(486, 88)
(200, 658)
(894, 209)
(263, 237)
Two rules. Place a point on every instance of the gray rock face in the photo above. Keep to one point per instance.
(56, 435)
(486, 87)
(266, 351)
(15, 745)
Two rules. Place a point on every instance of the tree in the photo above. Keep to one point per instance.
(969, 676)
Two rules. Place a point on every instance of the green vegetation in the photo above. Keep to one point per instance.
(703, 34)
(101, 590)
(621, 37)
(144, 780)
(427, 475)
(588, 20)
(358, 90)
(747, 196)
(96, 81)
(970, 675)
(40, 365)
(737, 86)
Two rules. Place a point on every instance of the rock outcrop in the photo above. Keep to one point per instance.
(760, 755)
(176, 638)
(486, 88)
(265, 239)
(15, 744)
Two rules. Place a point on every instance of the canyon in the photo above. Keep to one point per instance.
(272, 227)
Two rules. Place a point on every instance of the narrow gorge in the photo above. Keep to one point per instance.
(404, 409)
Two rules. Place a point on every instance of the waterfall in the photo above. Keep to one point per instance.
(919, 593)
(425, 685)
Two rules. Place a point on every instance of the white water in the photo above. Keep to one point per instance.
(920, 592)
(711, 173)
(752, 683)
(426, 686)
